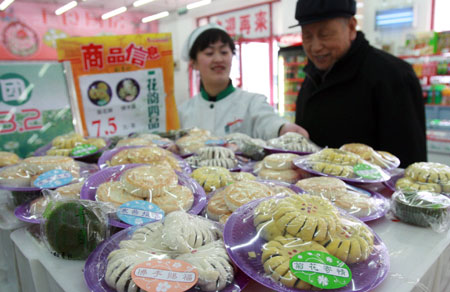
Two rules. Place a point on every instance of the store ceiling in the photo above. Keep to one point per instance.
(152, 7)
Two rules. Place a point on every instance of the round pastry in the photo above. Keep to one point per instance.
(148, 181)
(352, 242)
(146, 154)
(68, 141)
(220, 162)
(59, 152)
(428, 172)
(215, 152)
(183, 232)
(8, 158)
(293, 141)
(280, 161)
(73, 230)
(174, 198)
(191, 143)
(40, 164)
(356, 203)
(263, 220)
(70, 191)
(217, 208)
(15, 175)
(276, 255)
(287, 175)
(422, 208)
(366, 152)
(241, 175)
(215, 270)
(282, 190)
(327, 187)
(113, 192)
(38, 205)
(212, 178)
(97, 142)
(243, 192)
(333, 169)
(408, 184)
(336, 156)
(135, 142)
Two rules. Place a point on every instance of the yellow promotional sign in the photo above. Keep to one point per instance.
(123, 83)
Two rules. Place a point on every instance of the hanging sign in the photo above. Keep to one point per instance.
(123, 84)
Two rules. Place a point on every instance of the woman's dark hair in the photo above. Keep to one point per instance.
(209, 37)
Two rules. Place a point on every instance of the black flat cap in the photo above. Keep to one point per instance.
(309, 11)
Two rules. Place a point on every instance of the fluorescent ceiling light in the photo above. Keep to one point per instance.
(360, 4)
(155, 16)
(114, 12)
(66, 7)
(5, 4)
(198, 4)
(141, 2)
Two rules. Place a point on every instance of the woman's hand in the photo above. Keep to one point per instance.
(290, 127)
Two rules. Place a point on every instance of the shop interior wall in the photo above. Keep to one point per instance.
(282, 17)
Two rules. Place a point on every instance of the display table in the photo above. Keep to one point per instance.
(419, 257)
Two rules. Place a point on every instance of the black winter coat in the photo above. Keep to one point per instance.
(370, 97)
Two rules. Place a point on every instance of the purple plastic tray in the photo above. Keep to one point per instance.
(301, 163)
(22, 213)
(89, 189)
(240, 238)
(43, 150)
(107, 155)
(383, 206)
(86, 170)
(272, 150)
(398, 174)
(95, 267)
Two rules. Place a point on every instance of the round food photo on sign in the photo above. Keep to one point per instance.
(99, 93)
(128, 89)
(20, 39)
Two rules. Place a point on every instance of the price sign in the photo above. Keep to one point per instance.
(27, 123)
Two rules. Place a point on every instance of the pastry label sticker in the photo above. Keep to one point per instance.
(165, 275)
(53, 179)
(366, 171)
(83, 150)
(215, 142)
(320, 269)
(139, 212)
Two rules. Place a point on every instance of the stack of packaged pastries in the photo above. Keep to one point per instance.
(180, 236)
(156, 183)
(213, 156)
(279, 167)
(297, 223)
(425, 176)
(335, 190)
(145, 155)
(293, 142)
(63, 145)
(143, 139)
(193, 141)
(26, 172)
(382, 159)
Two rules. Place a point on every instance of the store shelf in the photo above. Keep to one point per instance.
(295, 79)
(296, 63)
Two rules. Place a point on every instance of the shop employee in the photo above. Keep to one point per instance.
(220, 107)
(354, 92)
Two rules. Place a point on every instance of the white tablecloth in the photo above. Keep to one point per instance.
(420, 261)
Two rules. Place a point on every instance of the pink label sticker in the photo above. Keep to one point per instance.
(165, 275)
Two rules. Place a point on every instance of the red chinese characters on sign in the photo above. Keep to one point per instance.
(245, 26)
(115, 56)
(153, 53)
(261, 21)
(136, 55)
(230, 26)
(92, 56)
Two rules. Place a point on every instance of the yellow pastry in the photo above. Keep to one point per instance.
(212, 178)
(8, 158)
(174, 198)
(243, 192)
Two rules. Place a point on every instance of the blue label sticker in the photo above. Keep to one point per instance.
(215, 142)
(139, 212)
(53, 179)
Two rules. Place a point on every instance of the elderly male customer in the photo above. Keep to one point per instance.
(354, 92)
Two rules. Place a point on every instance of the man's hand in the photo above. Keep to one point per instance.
(290, 127)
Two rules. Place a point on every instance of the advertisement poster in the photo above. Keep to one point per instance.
(31, 115)
(123, 84)
(29, 30)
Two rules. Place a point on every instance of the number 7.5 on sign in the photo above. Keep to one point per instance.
(105, 128)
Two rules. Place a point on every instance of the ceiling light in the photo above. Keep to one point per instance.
(114, 12)
(198, 4)
(360, 4)
(141, 2)
(66, 7)
(5, 4)
(155, 16)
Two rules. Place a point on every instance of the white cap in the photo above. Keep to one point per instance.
(193, 37)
